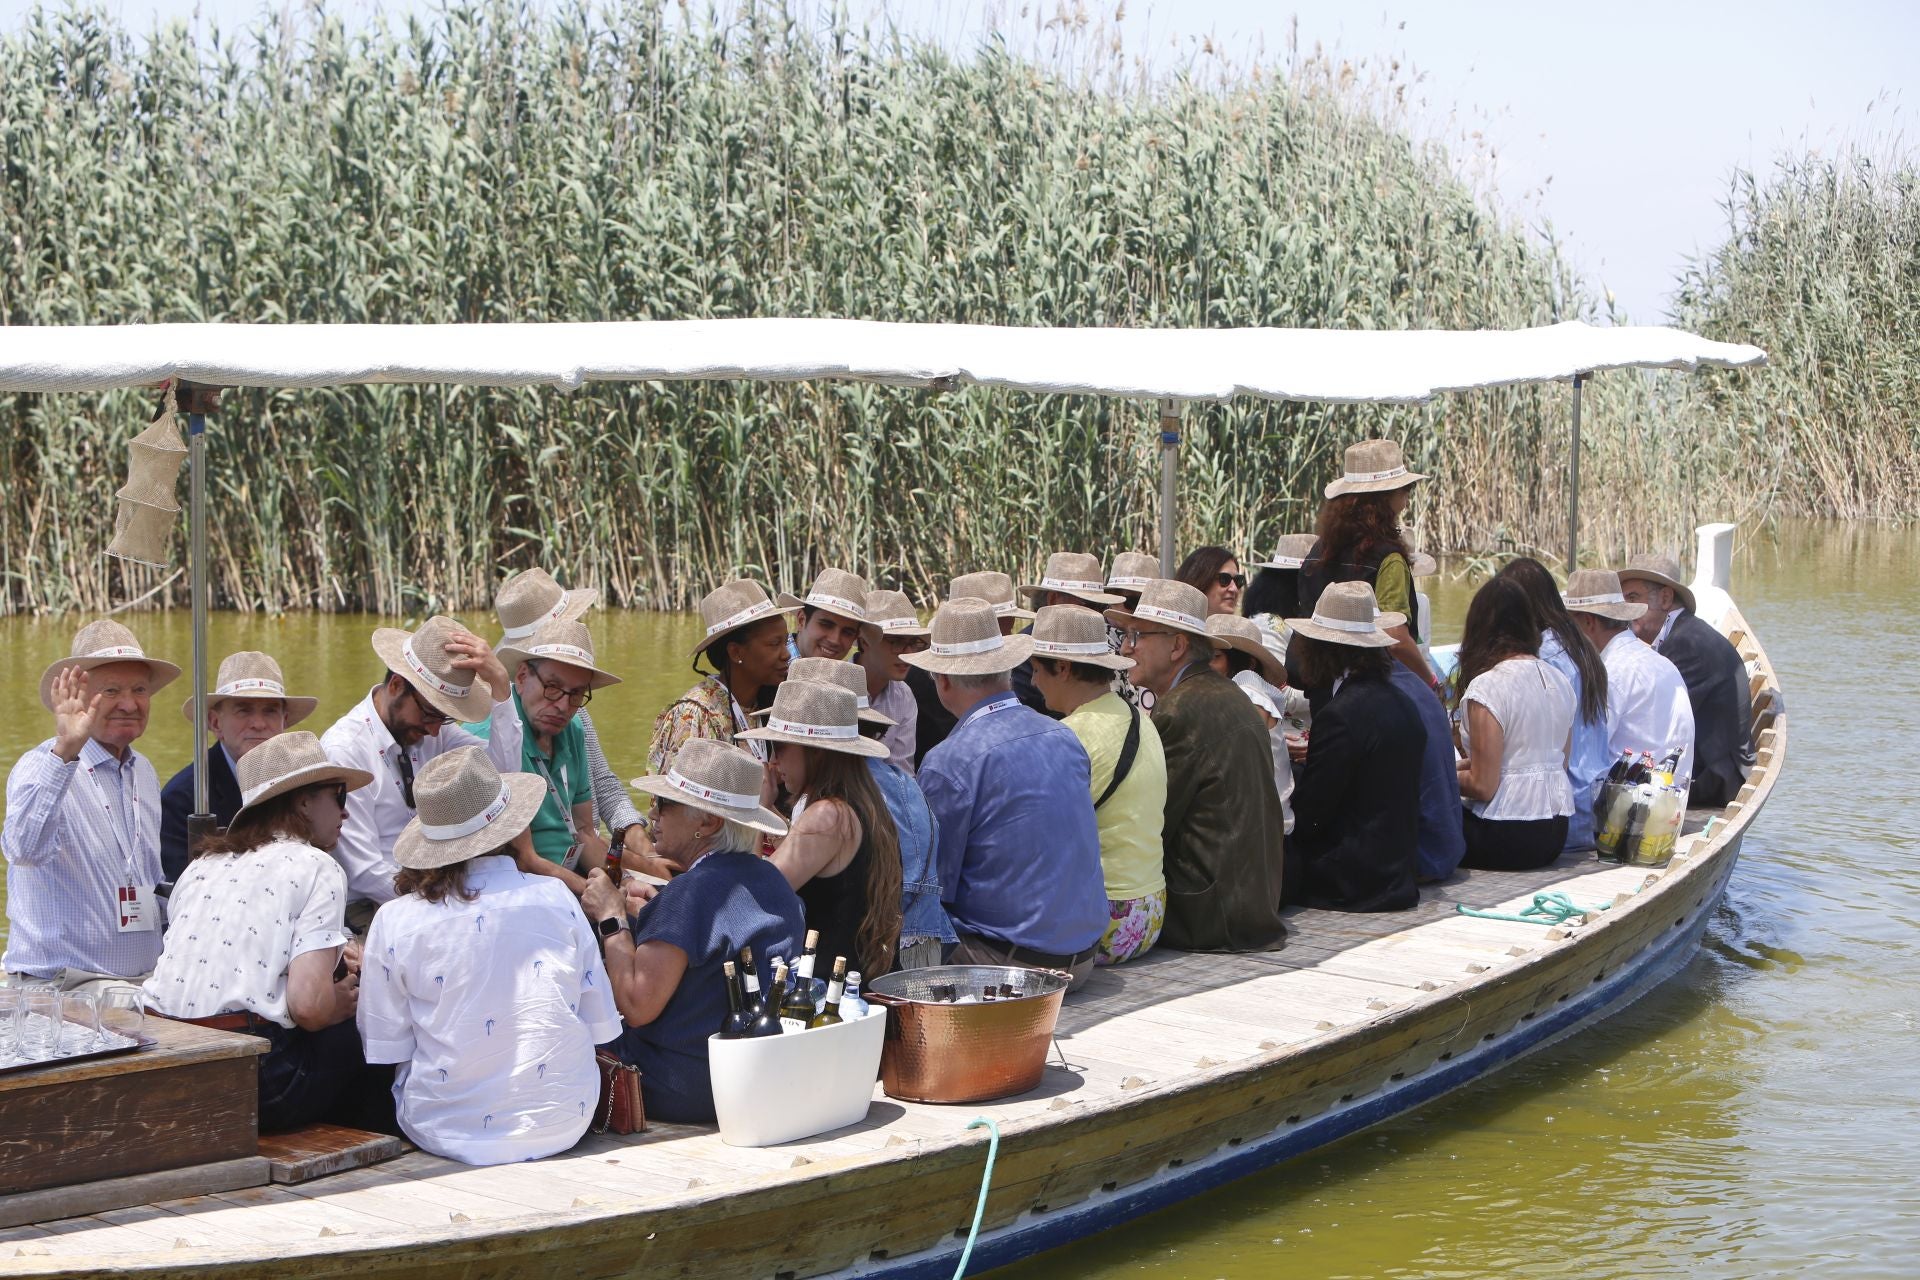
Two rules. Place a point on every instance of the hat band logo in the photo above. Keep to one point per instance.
(117, 651)
(253, 684)
(478, 822)
(1071, 646)
(521, 633)
(746, 615)
(1368, 477)
(1068, 584)
(572, 653)
(1168, 615)
(1127, 580)
(1613, 597)
(730, 799)
(801, 730)
(419, 668)
(896, 624)
(957, 648)
(835, 604)
(1342, 624)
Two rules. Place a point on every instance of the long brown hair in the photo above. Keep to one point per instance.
(1500, 623)
(835, 775)
(1353, 523)
(1322, 662)
(1202, 566)
(1550, 613)
(438, 883)
(264, 824)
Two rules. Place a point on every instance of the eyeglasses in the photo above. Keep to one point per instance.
(558, 693)
(1132, 639)
(908, 644)
(340, 795)
(1230, 580)
(431, 717)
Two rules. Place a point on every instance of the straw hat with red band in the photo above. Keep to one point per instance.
(1072, 574)
(715, 777)
(1290, 552)
(98, 644)
(1663, 570)
(890, 613)
(1074, 633)
(1346, 614)
(251, 674)
(465, 808)
(1132, 571)
(733, 605)
(561, 641)
(967, 642)
(287, 762)
(1597, 591)
(809, 713)
(842, 675)
(1373, 466)
(1165, 605)
(420, 658)
(1244, 635)
(995, 588)
(835, 591)
(531, 598)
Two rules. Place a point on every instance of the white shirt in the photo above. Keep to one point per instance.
(1533, 704)
(1647, 706)
(1273, 701)
(896, 699)
(492, 1008)
(75, 835)
(237, 921)
(378, 812)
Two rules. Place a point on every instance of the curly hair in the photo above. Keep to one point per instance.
(1354, 523)
(438, 883)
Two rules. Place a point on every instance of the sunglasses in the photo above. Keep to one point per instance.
(1231, 580)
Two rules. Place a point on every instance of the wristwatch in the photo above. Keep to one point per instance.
(608, 928)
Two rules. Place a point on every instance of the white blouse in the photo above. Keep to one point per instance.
(1534, 704)
(237, 920)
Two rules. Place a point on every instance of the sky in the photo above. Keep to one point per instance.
(1617, 124)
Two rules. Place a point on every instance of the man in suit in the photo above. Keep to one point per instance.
(247, 705)
(1716, 677)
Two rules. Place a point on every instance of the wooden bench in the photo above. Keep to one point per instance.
(321, 1149)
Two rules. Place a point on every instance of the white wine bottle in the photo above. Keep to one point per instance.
(836, 988)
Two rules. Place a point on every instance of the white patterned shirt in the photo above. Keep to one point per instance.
(236, 921)
(492, 1008)
(75, 835)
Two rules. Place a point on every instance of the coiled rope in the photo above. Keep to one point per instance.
(1548, 909)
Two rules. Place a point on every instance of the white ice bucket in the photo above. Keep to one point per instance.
(783, 1088)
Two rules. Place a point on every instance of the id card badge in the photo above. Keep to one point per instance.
(138, 910)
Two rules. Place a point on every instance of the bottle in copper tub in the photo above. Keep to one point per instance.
(836, 989)
(1007, 992)
(766, 1020)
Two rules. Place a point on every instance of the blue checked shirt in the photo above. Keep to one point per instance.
(74, 835)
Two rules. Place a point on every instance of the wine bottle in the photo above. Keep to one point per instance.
(767, 1021)
(803, 968)
(851, 1005)
(836, 989)
(734, 1025)
(751, 998)
(796, 1002)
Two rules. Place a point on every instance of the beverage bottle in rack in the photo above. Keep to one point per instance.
(836, 988)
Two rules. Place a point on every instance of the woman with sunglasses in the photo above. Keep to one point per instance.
(1215, 573)
(257, 942)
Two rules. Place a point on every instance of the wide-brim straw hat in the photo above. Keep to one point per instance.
(1664, 570)
(733, 605)
(1244, 635)
(531, 598)
(811, 713)
(252, 674)
(1373, 466)
(420, 658)
(98, 644)
(995, 588)
(1290, 552)
(714, 777)
(835, 591)
(1422, 565)
(890, 613)
(1167, 605)
(1072, 633)
(465, 807)
(287, 762)
(967, 641)
(1345, 614)
(560, 641)
(1132, 571)
(842, 675)
(1073, 574)
(1597, 591)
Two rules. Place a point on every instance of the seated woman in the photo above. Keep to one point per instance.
(1356, 806)
(268, 970)
(665, 965)
(1215, 573)
(1566, 650)
(1073, 668)
(484, 983)
(1516, 723)
(842, 852)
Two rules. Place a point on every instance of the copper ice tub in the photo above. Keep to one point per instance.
(938, 1052)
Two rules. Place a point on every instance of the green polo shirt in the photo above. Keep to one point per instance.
(565, 772)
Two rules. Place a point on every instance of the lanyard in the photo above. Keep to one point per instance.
(995, 708)
(129, 841)
(740, 722)
(559, 794)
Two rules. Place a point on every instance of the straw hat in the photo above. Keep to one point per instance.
(995, 588)
(287, 762)
(1244, 635)
(1422, 565)
(814, 714)
(1169, 605)
(250, 674)
(1132, 570)
(734, 605)
(465, 807)
(1346, 614)
(1664, 570)
(1373, 466)
(891, 613)
(531, 597)
(1070, 633)
(1073, 574)
(713, 777)
(1597, 591)
(562, 640)
(842, 675)
(100, 643)
(1290, 552)
(837, 592)
(421, 659)
(967, 639)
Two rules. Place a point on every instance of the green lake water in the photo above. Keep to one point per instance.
(1756, 1116)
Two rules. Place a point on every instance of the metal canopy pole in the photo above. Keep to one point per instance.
(1169, 465)
(1573, 481)
(199, 402)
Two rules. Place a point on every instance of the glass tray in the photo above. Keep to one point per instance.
(77, 1043)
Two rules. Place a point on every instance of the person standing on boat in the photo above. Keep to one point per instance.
(1356, 808)
(258, 930)
(1715, 674)
(830, 617)
(1071, 578)
(1359, 539)
(82, 833)
(1647, 704)
(1223, 841)
(934, 721)
(524, 603)
(1564, 646)
(483, 984)
(1516, 725)
(247, 705)
(1215, 573)
(1010, 790)
(892, 629)
(437, 677)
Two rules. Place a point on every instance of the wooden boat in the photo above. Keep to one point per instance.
(1175, 1074)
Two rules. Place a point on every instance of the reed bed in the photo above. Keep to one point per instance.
(495, 162)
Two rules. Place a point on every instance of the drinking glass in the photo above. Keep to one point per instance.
(10, 1001)
(123, 1011)
(80, 1009)
(39, 1019)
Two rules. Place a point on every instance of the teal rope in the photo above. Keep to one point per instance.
(1547, 909)
(986, 1180)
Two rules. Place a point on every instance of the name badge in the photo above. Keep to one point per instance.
(137, 908)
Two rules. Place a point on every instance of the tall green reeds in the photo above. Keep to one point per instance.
(493, 162)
